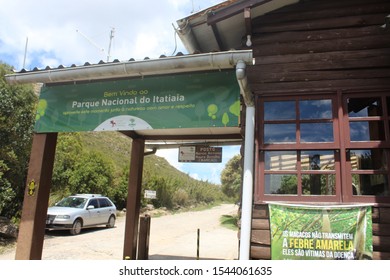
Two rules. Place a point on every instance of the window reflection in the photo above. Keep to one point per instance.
(281, 184)
(316, 132)
(370, 184)
(315, 109)
(364, 107)
(317, 160)
(367, 131)
(279, 110)
(279, 133)
(374, 159)
(318, 184)
(281, 160)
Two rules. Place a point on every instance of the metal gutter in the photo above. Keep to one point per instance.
(160, 66)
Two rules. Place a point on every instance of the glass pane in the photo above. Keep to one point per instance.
(366, 184)
(318, 184)
(281, 160)
(280, 184)
(316, 132)
(367, 131)
(317, 160)
(315, 109)
(364, 107)
(279, 110)
(279, 133)
(374, 159)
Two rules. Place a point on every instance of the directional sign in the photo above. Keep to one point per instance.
(200, 154)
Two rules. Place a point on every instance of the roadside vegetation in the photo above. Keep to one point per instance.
(92, 163)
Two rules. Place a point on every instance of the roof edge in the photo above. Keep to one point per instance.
(160, 66)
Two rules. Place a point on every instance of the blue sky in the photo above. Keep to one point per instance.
(65, 32)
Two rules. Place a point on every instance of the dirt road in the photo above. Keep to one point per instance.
(172, 237)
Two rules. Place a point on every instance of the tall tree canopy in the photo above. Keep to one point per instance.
(231, 177)
(17, 113)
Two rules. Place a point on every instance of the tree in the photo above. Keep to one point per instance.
(17, 114)
(231, 177)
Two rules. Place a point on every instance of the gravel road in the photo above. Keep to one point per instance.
(172, 237)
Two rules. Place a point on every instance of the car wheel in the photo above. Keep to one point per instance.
(111, 222)
(76, 228)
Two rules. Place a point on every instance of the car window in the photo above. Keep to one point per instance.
(93, 202)
(74, 202)
(104, 202)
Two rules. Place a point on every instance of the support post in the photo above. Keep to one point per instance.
(36, 197)
(247, 192)
(143, 240)
(134, 199)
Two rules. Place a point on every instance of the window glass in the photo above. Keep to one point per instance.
(367, 131)
(315, 109)
(281, 184)
(317, 160)
(318, 184)
(93, 202)
(370, 184)
(281, 160)
(374, 159)
(316, 132)
(279, 133)
(279, 110)
(103, 202)
(364, 107)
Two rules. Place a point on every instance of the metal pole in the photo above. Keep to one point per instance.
(197, 245)
(247, 193)
(25, 53)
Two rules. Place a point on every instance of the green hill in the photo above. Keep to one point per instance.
(80, 158)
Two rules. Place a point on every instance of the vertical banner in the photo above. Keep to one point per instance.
(301, 232)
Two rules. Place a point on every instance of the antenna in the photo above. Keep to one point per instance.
(89, 40)
(25, 53)
(97, 46)
(109, 46)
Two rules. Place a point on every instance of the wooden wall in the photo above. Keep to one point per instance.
(321, 45)
(318, 46)
(261, 237)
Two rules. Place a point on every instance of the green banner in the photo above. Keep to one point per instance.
(195, 100)
(301, 232)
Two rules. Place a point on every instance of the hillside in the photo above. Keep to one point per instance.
(117, 147)
(174, 188)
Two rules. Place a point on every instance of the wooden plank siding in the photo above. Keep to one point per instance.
(320, 45)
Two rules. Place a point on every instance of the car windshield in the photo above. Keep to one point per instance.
(74, 202)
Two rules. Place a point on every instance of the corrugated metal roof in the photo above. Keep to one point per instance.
(101, 62)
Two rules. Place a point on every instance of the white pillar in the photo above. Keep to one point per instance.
(247, 185)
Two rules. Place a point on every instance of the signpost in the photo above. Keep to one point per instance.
(200, 154)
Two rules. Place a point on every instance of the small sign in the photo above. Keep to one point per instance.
(200, 154)
(150, 194)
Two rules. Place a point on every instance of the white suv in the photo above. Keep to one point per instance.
(81, 211)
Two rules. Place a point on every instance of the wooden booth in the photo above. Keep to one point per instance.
(321, 84)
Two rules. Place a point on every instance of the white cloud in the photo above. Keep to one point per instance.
(201, 171)
(142, 28)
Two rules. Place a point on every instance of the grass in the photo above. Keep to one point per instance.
(6, 243)
(229, 221)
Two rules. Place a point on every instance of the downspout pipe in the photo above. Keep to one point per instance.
(247, 184)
